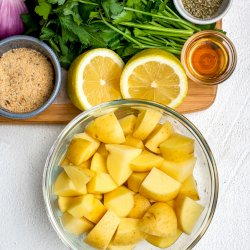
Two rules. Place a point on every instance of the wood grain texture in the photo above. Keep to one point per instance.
(199, 98)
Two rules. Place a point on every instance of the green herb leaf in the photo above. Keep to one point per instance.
(47, 34)
(124, 16)
(43, 9)
(68, 23)
(85, 11)
(111, 7)
(75, 14)
(96, 40)
(59, 2)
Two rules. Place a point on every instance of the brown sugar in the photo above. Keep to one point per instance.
(26, 80)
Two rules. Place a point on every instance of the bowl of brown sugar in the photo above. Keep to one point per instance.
(30, 77)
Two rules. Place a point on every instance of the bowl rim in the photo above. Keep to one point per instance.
(232, 59)
(124, 102)
(189, 17)
(57, 82)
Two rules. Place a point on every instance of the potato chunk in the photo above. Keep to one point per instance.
(101, 183)
(161, 133)
(189, 188)
(164, 242)
(118, 161)
(159, 186)
(141, 205)
(65, 187)
(101, 235)
(146, 122)
(133, 142)
(106, 129)
(64, 203)
(177, 148)
(79, 150)
(159, 220)
(98, 163)
(87, 206)
(180, 171)
(128, 232)
(188, 212)
(146, 161)
(135, 180)
(75, 225)
(128, 124)
(120, 200)
(79, 176)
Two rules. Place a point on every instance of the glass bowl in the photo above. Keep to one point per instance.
(205, 170)
(215, 37)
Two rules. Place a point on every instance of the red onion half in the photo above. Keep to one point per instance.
(10, 19)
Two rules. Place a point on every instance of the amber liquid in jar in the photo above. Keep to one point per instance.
(207, 58)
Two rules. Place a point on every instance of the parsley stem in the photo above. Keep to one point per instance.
(158, 29)
(164, 17)
(166, 34)
(87, 2)
(120, 32)
(169, 49)
(151, 41)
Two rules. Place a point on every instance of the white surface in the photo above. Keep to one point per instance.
(226, 126)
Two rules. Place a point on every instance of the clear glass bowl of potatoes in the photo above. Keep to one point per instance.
(130, 174)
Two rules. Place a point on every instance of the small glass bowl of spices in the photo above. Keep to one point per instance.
(203, 11)
(209, 57)
(30, 77)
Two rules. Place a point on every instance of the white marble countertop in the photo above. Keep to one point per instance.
(225, 125)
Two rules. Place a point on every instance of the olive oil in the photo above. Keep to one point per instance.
(207, 58)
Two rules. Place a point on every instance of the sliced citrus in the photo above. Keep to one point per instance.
(94, 78)
(155, 75)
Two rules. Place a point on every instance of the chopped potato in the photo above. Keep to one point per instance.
(120, 200)
(101, 183)
(65, 187)
(189, 188)
(161, 133)
(177, 148)
(141, 205)
(106, 129)
(76, 225)
(164, 242)
(159, 186)
(145, 123)
(101, 235)
(159, 220)
(128, 232)
(128, 124)
(135, 180)
(98, 163)
(188, 212)
(146, 161)
(118, 161)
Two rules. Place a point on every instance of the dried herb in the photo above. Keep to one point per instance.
(202, 8)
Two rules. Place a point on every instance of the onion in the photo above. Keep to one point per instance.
(10, 17)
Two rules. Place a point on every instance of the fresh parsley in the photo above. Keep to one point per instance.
(125, 26)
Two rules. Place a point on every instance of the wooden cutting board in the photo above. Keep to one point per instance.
(62, 110)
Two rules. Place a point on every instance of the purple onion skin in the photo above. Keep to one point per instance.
(10, 17)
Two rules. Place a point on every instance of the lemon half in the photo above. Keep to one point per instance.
(94, 77)
(155, 75)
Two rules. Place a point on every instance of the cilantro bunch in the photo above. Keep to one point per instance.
(125, 26)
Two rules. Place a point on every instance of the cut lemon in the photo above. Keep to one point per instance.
(94, 78)
(155, 75)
